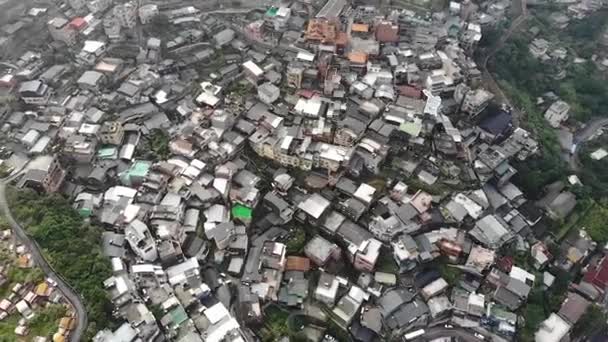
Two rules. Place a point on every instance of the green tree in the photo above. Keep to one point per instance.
(297, 240)
(46, 320)
(592, 321)
(159, 144)
(72, 247)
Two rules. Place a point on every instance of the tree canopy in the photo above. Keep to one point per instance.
(65, 238)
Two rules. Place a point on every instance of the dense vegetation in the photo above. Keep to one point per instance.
(593, 172)
(275, 324)
(47, 319)
(593, 320)
(65, 239)
(158, 145)
(525, 78)
(297, 240)
(594, 222)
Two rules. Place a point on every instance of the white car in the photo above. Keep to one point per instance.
(480, 336)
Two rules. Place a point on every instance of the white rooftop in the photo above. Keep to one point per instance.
(365, 192)
(553, 329)
(314, 205)
(92, 46)
(253, 68)
(599, 154)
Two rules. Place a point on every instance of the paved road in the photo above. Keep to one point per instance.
(589, 130)
(581, 138)
(487, 77)
(234, 10)
(437, 332)
(32, 246)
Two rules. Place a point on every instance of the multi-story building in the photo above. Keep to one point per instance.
(255, 30)
(295, 74)
(268, 93)
(54, 177)
(253, 72)
(111, 133)
(303, 154)
(438, 82)
(281, 18)
(126, 14)
(35, 93)
(557, 113)
(61, 30)
(470, 37)
(362, 249)
(97, 6)
(112, 28)
(367, 255)
(147, 13)
(327, 289)
(472, 102)
(78, 5)
(141, 241)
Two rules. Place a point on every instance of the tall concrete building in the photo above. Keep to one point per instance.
(61, 30)
(126, 14)
(97, 6)
(78, 5)
(112, 28)
(147, 13)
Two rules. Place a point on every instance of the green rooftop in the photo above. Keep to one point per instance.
(138, 170)
(241, 212)
(411, 128)
(178, 315)
(85, 212)
(272, 11)
(109, 152)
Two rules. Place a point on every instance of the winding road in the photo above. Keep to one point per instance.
(488, 79)
(67, 291)
(581, 137)
(438, 332)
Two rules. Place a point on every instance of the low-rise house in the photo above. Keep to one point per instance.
(491, 232)
(186, 272)
(557, 113)
(561, 206)
(314, 207)
(294, 291)
(327, 289)
(141, 241)
(434, 288)
(405, 252)
(362, 249)
(553, 329)
(321, 251)
(278, 206)
(573, 308)
(439, 306)
(268, 93)
(402, 311)
(348, 306)
(296, 263)
(35, 93)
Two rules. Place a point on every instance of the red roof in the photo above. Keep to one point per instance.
(505, 264)
(598, 275)
(409, 91)
(387, 33)
(78, 23)
(295, 263)
(306, 93)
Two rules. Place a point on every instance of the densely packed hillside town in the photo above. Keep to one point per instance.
(286, 170)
